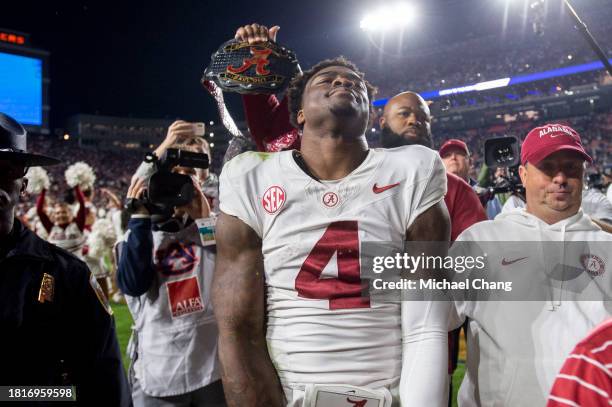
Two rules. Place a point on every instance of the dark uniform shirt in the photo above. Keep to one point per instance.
(56, 327)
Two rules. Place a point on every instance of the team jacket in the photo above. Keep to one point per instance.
(166, 278)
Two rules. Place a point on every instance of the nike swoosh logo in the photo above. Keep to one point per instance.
(377, 190)
(508, 262)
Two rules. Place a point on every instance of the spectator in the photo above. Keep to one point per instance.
(457, 160)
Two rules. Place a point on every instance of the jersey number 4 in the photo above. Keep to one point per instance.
(346, 291)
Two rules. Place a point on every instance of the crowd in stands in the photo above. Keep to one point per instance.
(491, 57)
(594, 130)
(130, 131)
(113, 168)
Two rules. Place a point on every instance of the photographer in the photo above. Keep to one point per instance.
(190, 134)
(165, 269)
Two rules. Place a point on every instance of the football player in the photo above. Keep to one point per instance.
(288, 295)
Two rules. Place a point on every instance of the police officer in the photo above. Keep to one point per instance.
(56, 327)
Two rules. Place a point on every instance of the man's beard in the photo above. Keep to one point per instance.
(390, 139)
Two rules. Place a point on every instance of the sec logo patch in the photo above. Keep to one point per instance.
(273, 199)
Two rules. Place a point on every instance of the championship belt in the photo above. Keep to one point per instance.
(241, 67)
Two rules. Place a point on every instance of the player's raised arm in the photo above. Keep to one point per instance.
(238, 295)
(424, 323)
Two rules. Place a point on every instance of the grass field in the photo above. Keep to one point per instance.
(123, 321)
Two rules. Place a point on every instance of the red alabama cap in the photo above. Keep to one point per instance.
(453, 143)
(550, 138)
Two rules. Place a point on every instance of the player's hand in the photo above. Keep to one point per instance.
(135, 192)
(178, 131)
(198, 207)
(254, 33)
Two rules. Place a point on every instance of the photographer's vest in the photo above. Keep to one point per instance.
(174, 343)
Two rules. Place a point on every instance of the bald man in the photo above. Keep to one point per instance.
(407, 120)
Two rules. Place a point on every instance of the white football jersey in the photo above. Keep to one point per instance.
(321, 329)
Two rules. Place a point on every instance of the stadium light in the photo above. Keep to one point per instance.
(211, 123)
(66, 136)
(388, 17)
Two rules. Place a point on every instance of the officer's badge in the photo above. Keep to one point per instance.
(47, 288)
(100, 294)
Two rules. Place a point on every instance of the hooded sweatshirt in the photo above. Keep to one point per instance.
(516, 348)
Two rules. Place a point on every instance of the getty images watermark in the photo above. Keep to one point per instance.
(489, 271)
(405, 263)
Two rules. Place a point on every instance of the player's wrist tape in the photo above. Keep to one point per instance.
(206, 230)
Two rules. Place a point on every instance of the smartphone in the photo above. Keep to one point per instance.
(199, 129)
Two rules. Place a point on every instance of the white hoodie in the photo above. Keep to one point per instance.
(515, 348)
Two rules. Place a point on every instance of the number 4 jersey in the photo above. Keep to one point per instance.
(321, 327)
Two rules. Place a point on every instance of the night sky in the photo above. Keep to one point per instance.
(145, 59)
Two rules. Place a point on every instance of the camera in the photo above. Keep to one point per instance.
(504, 152)
(595, 181)
(166, 189)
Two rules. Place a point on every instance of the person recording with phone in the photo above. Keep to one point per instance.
(165, 269)
(191, 134)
